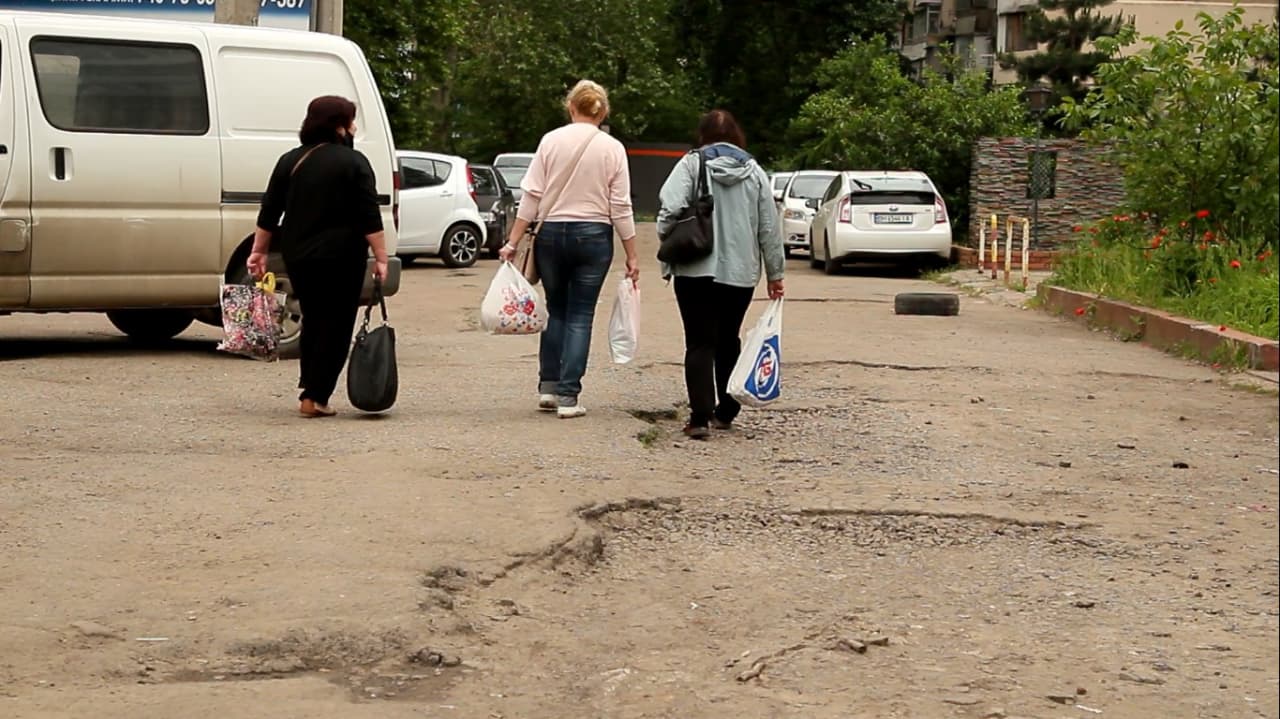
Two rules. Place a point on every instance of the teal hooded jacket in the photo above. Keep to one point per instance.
(745, 219)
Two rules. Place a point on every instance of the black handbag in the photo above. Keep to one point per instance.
(692, 237)
(372, 378)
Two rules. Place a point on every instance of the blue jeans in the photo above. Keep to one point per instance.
(573, 259)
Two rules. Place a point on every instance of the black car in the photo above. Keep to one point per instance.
(496, 202)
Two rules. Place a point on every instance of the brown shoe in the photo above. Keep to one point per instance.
(308, 408)
(695, 431)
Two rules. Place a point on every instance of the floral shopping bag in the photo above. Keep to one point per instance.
(252, 316)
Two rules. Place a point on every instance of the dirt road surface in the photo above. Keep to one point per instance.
(993, 515)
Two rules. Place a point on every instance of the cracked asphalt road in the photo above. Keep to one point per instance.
(976, 516)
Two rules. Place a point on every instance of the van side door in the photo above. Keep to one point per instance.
(125, 178)
(15, 189)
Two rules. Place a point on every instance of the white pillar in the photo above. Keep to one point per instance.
(236, 12)
(329, 16)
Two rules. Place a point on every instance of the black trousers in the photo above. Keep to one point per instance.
(712, 314)
(328, 291)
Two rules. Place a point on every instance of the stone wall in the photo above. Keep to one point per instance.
(1087, 187)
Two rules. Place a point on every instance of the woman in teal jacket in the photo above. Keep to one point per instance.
(714, 293)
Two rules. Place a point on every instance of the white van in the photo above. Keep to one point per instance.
(134, 154)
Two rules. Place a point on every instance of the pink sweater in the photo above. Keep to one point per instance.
(600, 189)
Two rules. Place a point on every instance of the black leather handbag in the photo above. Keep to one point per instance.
(692, 237)
(372, 377)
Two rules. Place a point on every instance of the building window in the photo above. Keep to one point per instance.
(1015, 33)
(1042, 174)
(105, 86)
(925, 22)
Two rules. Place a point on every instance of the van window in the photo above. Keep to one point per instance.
(106, 86)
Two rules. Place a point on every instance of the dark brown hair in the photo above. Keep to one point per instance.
(325, 115)
(719, 126)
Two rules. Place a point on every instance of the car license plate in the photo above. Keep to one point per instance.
(893, 218)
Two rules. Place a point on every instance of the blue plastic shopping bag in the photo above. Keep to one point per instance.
(757, 377)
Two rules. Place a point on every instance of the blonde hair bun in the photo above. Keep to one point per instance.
(588, 99)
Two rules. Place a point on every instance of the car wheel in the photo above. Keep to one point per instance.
(461, 246)
(406, 260)
(149, 326)
(940, 304)
(829, 264)
(788, 252)
(290, 346)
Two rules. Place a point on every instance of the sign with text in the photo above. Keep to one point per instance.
(290, 14)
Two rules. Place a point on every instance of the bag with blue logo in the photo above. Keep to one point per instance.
(757, 377)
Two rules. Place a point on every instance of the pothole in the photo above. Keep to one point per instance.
(380, 665)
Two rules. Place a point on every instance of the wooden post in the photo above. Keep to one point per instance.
(1008, 251)
(1026, 253)
(982, 246)
(995, 245)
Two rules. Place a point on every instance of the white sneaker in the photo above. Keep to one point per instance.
(571, 412)
(547, 403)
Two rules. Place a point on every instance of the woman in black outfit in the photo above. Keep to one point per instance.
(326, 192)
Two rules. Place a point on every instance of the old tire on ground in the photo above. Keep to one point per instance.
(291, 330)
(461, 246)
(940, 304)
(151, 325)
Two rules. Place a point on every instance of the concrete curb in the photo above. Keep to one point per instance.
(1163, 330)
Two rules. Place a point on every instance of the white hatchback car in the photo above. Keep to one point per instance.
(797, 211)
(880, 216)
(438, 212)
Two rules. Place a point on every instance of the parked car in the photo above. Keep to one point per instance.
(134, 154)
(496, 203)
(512, 166)
(438, 212)
(894, 216)
(796, 213)
(778, 181)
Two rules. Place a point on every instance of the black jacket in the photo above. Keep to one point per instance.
(323, 210)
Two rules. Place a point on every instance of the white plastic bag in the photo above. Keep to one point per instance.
(757, 377)
(512, 306)
(624, 322)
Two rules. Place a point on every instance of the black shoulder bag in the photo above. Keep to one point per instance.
(692, 237)
(372, 378)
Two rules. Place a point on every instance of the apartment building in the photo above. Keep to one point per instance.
(968, 26)
(980, 30)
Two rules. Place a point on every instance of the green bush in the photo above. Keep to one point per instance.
(1190, 268)
(1193, 120)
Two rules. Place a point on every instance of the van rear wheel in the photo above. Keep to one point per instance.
(151, 325)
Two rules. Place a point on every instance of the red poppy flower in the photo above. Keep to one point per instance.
(1077, 228)
(1201, 214)
(1209, 236)
(1202, 247)
(1163, 231)
(1155, 242)
(1213, 280)
(1079, 311)
(1123, 218)
(1222, 328)
(1093, 230)
(1235, 264)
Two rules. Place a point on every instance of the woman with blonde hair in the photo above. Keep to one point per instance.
(585, 171)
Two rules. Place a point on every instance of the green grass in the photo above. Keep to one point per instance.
(1221, 283)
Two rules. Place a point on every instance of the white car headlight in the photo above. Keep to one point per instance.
(793, 215)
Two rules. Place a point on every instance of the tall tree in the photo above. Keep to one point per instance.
(409, 45)
(758, 58)
(1062, 28)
